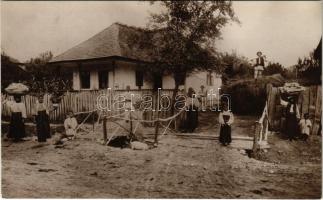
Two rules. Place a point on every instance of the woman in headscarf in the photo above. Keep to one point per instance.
(292, 116)
(18, 117)
(225, 119)
(42, 119)
(192, 106)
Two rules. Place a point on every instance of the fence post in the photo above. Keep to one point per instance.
(266, 129)
(255, 146)
(156, 132)
(156, 128)
(105, 136)
(131, 127)
(261, 128)
(93, 122)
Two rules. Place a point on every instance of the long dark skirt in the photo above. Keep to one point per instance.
(17, 126)
(42, 124)
(225, 134)
(291, 126)
(191, 119)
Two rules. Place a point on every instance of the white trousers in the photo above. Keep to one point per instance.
(258, 71)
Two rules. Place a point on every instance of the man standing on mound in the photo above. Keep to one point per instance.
(259, 65)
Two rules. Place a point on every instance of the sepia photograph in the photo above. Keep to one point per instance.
(161, 99)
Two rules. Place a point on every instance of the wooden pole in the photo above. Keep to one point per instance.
(255, 146)
(156, 131)
(105, 136)
(130, 121)
(266, 129)
(157, 118)
(93, 122)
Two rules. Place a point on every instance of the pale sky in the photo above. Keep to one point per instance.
(283, 31)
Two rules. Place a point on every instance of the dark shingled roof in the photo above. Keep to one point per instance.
(116, 40)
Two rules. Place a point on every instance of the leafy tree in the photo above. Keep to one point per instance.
(309, 70)
(274, 68)
(235, 66)
(11, 71)
(182, 37)
(46, 78)
(37, 66)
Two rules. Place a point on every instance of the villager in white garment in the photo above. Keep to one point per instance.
(70, 124)
(226, 119)
(41, 113)
(18, 117)
(292, 117)
(305, 125)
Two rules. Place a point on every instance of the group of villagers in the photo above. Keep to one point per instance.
(40, 110)
(296, 127)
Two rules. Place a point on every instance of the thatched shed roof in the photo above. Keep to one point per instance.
(114, 41)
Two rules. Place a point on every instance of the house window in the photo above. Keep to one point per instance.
(180, 78)
(158, 81)
(139, 78)
(85, 77)
(209, 79)
(103, 79)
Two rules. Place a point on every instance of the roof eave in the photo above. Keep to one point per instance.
(100, 58)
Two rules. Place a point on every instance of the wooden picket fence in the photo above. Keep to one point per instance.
(309, 101)
(83, 101)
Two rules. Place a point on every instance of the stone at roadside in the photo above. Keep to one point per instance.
(243, 152)
(138, 145)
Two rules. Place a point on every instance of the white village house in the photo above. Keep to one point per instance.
(108, 60)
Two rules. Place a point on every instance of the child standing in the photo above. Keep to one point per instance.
(305, 126)
(225, 119)
(70, 124)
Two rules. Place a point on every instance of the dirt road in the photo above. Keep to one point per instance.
(177, 168)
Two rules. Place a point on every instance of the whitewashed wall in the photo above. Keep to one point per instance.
(125, 74)
(196, 79)
(168, 82)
